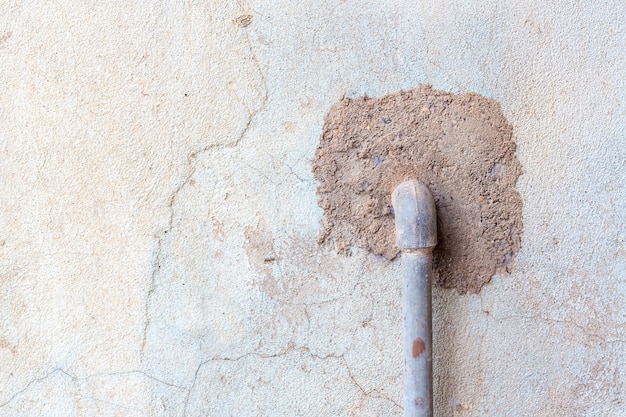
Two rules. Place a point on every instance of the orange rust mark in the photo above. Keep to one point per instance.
(420, 402)
(418, 347)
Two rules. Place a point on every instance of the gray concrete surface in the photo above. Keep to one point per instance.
(158, 217)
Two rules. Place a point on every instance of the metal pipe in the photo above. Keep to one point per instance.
(416, 235)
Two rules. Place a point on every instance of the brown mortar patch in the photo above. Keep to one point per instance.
(459, 145)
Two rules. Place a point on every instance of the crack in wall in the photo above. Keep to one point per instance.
(26, 387)
(76, 379)
(157, 257)
(549, 320)
(291, 348)
(191, 160)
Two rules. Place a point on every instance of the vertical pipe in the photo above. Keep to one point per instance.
(418, 370)
(416, 235)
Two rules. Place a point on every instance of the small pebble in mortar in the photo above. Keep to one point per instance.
(459, 145)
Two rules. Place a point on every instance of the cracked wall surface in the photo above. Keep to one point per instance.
(158, 216)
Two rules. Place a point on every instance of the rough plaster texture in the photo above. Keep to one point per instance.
(158, 216)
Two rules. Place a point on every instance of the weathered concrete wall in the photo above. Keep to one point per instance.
(158, 218)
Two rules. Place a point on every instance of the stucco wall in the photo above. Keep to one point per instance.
(158, 216)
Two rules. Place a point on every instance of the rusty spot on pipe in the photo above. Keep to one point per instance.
(418, 347)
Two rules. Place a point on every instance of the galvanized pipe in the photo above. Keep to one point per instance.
(416, 235)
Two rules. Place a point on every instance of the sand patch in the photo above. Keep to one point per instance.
(459, 145)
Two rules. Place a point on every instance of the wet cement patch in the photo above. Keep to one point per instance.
(461, 146)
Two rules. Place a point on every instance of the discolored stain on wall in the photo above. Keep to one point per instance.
(5, 36)
(262, 255)
(243, 20)
(461, 146)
